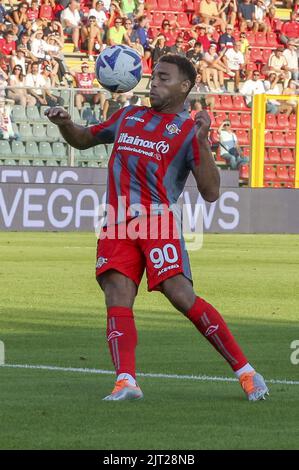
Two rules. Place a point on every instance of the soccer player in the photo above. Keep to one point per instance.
(155, 148)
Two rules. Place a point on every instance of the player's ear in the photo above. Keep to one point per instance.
(185, 86)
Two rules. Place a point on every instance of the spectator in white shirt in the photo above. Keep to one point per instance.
(235, 62)
(229, 147)
(35, 81)
(39, 47)
(255, 86)
(290, 54)
(99, 13)
(71, 22)
(260, 11)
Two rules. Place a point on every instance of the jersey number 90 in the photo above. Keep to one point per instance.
(158, 256)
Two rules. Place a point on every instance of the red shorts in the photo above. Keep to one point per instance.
(157, 249)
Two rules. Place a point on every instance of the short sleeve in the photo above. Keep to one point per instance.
(193, 155)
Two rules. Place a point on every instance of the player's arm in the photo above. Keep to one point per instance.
(77, 136)
(206, 173)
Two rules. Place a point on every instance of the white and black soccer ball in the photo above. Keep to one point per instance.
(118, 68)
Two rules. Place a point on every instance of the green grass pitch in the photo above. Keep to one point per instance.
(52, 313)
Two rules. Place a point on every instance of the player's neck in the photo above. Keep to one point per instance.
(170, 109)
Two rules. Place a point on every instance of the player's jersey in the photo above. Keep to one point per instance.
(152, 156)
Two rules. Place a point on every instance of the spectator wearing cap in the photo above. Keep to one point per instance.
(71, 22)
(8, 44)
(278, 64)
(35, 81)
(290, 53)
(210, 15)
(290, 30)
(19, 59)
(159, 48)
(99, 13)
(117, 34)
(39, 47)
(199, 34)
(84, 80)
(246, 14)
(91, 36)
(235, 62)
(227, 40)
(260, 12)
(18, 92)
(46, 82)
(178, 48)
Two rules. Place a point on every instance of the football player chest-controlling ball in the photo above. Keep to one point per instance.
(118, 68)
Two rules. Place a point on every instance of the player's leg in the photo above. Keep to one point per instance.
(179, 291)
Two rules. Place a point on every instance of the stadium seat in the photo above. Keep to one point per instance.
(176, 5)
(87, 154)
(93, 164)
(250, 36)
(282, 173)
(170, 16)
(163, 5)
(226, 102)
(157, 19)
(273, 155)
(145, 67)
(183, 21)
(42, 113)
(10, 162)
(17, 148)
(45, 150)
(287, 156)
(31, 149)
(272, 40)
(244, 172)
(260, 40)
(32, 113)
(266, 54)
(239, 103)
(5, 150)
(219, 118)
(242, 136)
(19, 113)
(245, 120)
(76, 116)
(65, 95)
(189, 5)
(269, 173)
(52, 132)
(235, 120)
(100, 152)
(246, 152)
(278, 138)
(292, 173)
(59, 150)
(282, 121)
(212, 117)
(217, 104)
(290, 138)
(251, 66)
(268, 138)
(151, 5)
(256, 55)
(277, 24)
(24, 162)
(39, 132)
(25, 132)
(292, 121)
(271, 122)
(63, 162)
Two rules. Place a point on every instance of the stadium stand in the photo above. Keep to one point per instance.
(33, 140)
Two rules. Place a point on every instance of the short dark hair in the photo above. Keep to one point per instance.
(184, 65)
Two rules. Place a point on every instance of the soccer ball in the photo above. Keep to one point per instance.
(118, 68)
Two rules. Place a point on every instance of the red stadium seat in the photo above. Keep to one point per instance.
(189, 5)
(260, 40)
(293, 121)
(239, 103)
(282, 121)
(292, 173)
(244, 172)
(277, 25)
(250, 36)
(235, 120)
(256, 55)
(272, 40)
(226, 102)
(151, 5)
(268, 138)
(266, 54)
(219, 118)
(176, 5)
(170, 16)
(157, 19)
(289, 184)
(287, 156)
(146, 69)
(282, 173)
(163, 5)
(290, 138)
(273, 155)
(271, 121)
(242, 136)
(217, 100)
(196, 5)
(246, 121)
(213, 123)
(183, 20)
(278, 138)
(246, 152)
(269, 173)
(251, 66)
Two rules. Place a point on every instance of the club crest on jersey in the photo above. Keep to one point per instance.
(172, 129)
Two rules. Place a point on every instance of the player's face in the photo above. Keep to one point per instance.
(168, 88)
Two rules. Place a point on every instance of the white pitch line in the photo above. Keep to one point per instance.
(202, 378)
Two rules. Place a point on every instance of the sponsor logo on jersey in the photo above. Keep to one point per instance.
(161, 147)
(114, 334)
(211, 330)
(101, 261)
(172, 129)
(134, 118)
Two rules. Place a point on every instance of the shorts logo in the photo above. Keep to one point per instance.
(211, 330)
(101, 261)
(114, 334)
(172, 129)
(164, 270)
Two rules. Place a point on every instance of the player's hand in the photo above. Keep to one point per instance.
(203, 123)
(58, 115)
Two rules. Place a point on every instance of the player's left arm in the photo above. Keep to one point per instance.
(206, 173)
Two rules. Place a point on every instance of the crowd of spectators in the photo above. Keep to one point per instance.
(217, 41)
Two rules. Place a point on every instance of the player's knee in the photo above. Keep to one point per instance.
(118, 289)
(180, 293)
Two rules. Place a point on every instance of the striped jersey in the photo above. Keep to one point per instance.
(151, 159)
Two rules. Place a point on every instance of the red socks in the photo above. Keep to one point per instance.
(122, 339)
(210, 323)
